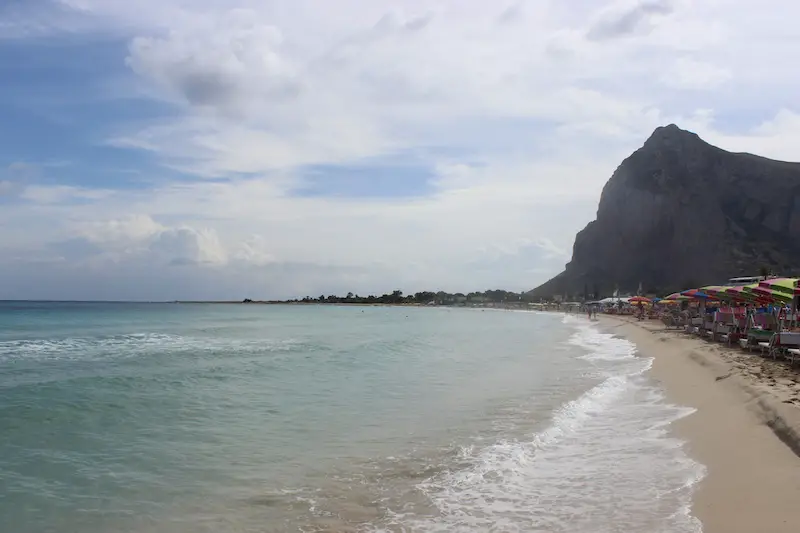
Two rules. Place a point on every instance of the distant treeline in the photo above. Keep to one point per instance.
(423, 297)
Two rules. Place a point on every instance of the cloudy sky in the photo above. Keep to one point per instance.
(165, 149)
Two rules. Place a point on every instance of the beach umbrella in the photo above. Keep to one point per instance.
(771, 295)
(785, 285)
(676, 297)
(716, 291)
(694, 293)
(639, 299)
(708, 289)
(736, 293)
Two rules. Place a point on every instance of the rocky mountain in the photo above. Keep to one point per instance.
(679, 213)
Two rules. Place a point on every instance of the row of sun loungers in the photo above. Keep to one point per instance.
(760, 334)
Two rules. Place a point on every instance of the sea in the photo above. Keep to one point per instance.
(201, 418)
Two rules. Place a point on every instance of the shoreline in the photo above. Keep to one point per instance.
(745, 429)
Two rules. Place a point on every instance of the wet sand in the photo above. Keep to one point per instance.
(746, 429)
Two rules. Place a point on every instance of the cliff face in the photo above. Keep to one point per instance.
(679, 212)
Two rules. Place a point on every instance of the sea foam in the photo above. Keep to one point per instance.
(604, 461)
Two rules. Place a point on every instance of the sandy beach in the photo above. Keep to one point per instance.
(746, 428)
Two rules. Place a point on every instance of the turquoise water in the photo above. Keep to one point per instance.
(222, 418)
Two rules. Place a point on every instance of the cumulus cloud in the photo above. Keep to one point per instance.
(189, 246)
(225, 64)
(131, 228)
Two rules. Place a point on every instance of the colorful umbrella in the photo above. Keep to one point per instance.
(639, 299)
(694, 293)
(736, 293)
(785, 285)
(764, 293)
(676, 297)
(717, 291)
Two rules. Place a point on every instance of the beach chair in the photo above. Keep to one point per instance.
(693, 325)
(768, 347)
(789, 345)
(707, 329)
(722, 333)
(755, 337)
(779, 343)
(744, 342)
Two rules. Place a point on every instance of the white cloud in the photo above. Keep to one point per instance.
(131, 229)
(777, 137)
(220, 65)
(521, 110)
(189, 246)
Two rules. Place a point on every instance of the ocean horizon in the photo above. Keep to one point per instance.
(155, 417)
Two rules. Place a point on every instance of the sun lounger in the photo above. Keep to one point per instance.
(757, 336)
(728, 334)
(779, 343)
(787, 341)
(692, 325)
(722, 332)
(766, 347)
(706, 329)
(745, 343)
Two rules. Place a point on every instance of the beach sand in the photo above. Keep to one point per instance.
(746, 429)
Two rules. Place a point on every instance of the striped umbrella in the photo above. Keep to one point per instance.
(695, 293)
(743, 293)
(772, 295)
(784, 285)
(676, 297)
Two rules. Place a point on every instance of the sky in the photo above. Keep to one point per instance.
(230, 149)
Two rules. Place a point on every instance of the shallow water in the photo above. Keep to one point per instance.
(216, 418)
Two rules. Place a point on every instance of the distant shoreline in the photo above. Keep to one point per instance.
(354, 304)
(268, 302)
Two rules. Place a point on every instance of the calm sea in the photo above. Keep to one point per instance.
(176, 418)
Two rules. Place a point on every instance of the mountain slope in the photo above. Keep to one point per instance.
(680, 212)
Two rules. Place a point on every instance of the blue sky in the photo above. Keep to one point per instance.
(228, 149)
